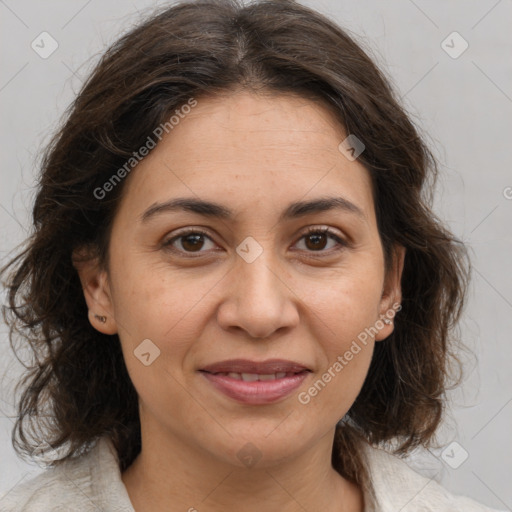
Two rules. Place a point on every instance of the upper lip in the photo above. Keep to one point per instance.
(267, 367)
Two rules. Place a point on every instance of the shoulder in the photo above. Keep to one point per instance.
(50, 490)
(395, 486)
(87, 483)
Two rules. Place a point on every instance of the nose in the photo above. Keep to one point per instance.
(260, 298)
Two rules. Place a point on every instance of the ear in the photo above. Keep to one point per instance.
(391, 293)
(96, 290)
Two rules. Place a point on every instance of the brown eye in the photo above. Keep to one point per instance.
(191, 241)
(316, 240)
(194, 241)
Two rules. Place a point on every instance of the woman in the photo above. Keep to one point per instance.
(236, 291)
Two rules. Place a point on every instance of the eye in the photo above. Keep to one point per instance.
(193, 240)
(190, 241)
(316, 239)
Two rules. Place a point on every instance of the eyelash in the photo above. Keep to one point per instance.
(342, 244)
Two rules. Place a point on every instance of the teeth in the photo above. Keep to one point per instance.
(253, 377)
(250, 377)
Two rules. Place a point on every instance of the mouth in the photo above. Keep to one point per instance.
(245, 366)
(251, 382)
(253, 377)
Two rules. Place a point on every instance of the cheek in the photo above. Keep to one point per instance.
(346, 303)
(344, 333)
(167, 308)
(333, 391)
(346, 316)
(155, 300)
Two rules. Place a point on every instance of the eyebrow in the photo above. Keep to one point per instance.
(215, 210)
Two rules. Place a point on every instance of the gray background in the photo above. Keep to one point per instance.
(463, 104)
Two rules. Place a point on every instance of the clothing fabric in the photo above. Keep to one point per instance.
(93, 483)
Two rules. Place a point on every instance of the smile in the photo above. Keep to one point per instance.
(256, 389)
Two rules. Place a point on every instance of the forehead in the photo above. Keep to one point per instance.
(251, 150)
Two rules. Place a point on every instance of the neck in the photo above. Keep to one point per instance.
(169, 475)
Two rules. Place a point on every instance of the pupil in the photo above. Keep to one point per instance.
(196, 243)
(316, 237)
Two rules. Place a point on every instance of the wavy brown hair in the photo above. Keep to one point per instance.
(77, 387)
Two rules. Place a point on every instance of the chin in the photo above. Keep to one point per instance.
(262, 448)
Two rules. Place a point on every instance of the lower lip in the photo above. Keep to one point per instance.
(257, 392)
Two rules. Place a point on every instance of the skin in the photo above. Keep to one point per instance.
(255, 154)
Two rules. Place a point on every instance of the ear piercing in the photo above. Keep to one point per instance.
(102, 319)
(387, 321)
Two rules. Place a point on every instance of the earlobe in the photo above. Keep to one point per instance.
(97, 294)
(103, 323)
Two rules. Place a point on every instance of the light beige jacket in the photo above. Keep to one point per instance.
(92, 483)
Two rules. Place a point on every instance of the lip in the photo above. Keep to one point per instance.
(262, 367)
(256, 392)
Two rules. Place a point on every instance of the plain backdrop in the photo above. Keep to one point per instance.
(461, 100)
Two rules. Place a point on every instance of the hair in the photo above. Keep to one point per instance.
(78, 378)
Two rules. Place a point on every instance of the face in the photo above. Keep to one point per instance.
(259, 277)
